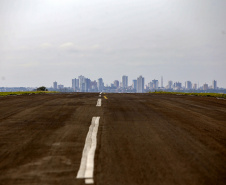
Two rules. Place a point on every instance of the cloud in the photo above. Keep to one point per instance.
(46, 45)
(67, 45)
(29, 64)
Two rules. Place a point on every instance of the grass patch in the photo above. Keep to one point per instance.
(217, 95)
(26, 93)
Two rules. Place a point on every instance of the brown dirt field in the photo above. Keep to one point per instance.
(142, 139)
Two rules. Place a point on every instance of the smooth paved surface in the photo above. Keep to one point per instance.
(142, 139)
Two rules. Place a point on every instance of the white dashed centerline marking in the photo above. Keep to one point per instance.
(98, 103)
(87, 162)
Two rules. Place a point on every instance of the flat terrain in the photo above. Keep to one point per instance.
(142, 139)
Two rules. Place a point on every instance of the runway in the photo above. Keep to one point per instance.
(140, 139)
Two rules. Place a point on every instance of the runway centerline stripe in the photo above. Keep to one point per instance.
(99, 102)
(87, 162)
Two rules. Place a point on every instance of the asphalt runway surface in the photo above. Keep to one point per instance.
(140, 139)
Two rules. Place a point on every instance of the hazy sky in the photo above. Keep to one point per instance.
(46, 40)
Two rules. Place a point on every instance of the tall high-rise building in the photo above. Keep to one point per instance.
(195, 86)
(124, 81)
(188, 85)
(87, 84)
(74, 84)
(155, 84)
(177, 85)
(205, 87)
(116, 83)
(134, 85)
(140, 84)
(214, 84)
(77, 83)
(93, 85)
(150, 85)
(100, 85)
(162, 82)
(55, 85)
(170, 84)
(81, 81)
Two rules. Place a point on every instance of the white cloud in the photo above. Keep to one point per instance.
(46, 45)
(67, 45)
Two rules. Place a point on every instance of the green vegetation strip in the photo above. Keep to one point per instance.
(217, 95)
(26, 93)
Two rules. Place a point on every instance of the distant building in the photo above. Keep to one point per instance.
(177, 85)
(100, 85)
(81, 82)
(77, 83)
(214, 84)
(205, 87)
(170, 84)
(188, 85)
(60, 86)
(116, 83)
(93, 85)
(150, 85)
(195, 86)
(55, 85)
(162, 82)
(74, 84)
(140, 84)
(155, 84)
(124, 81)
(87, 85)
(134, 85)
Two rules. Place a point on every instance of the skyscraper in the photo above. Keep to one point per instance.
(188, 85)
(74, 84)
(87, 84)
(140, 84)
(155, 84)
(77, 83)
(100, 85)
(55, 85)
(205, 87)
(162, 82)
(150, 85)
(170, 84)
(214, 84)
(124, 81)
(177, 85)
(134, 86)
(93, 85)
(116, 83)
(81, 81)
(195, 86)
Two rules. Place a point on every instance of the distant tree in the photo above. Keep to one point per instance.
(42, 88)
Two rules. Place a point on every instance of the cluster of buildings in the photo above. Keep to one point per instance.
(16, 89)
(83, 84)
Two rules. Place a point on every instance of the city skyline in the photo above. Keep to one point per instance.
(83, 84)
(67, 83)
(44, 41)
